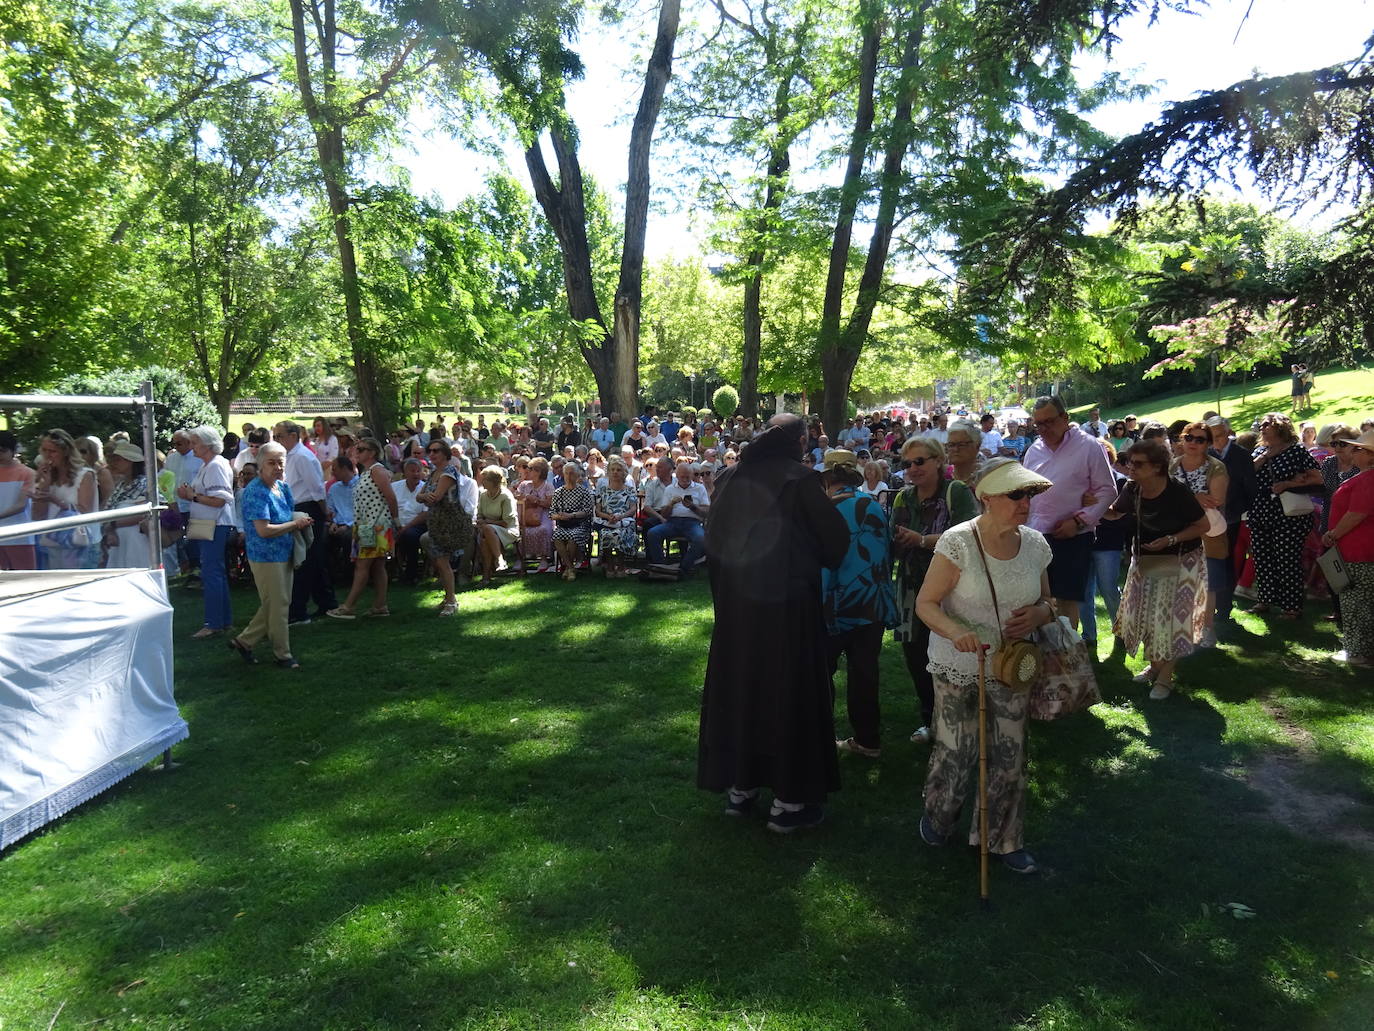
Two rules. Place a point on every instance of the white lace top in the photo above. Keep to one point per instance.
(970, 603)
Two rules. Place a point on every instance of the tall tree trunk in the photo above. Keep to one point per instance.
(614, 357)
(377, 395)
(840, 346)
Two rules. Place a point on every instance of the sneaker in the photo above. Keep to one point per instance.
(854, 748)
(1208, 639)
(929, 834)
(1145, 676)
(1019, 861)
(303, 621)
(1161, 691)
(922, 736)
(808, 816)
(744, 807)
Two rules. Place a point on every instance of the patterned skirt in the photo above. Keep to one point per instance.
(1164, 609)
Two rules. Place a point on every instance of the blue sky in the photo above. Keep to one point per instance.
(1180, 55)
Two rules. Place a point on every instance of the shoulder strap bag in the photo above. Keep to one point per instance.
(1016, 663)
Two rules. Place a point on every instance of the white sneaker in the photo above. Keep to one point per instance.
(1340, 656)
(1161, 691)
(922, 736)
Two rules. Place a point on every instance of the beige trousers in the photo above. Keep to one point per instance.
(273, 580)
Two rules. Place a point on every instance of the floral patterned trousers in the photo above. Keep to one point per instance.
(954, 761)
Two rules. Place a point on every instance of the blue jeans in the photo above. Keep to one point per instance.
(214, 581)
(1104, 571)
(677, 528)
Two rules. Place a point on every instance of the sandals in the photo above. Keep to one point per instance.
(1258, 609)
(341, 613)
(205, 632)
(245, 652)
(288, 663)
(448, 608)
(379, 612)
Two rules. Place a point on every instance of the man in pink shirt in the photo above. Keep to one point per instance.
(1077, 466)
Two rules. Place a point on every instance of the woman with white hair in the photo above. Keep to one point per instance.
(986, 584)
(961, 446)
(269, 518)
(211, 494)
(616, 504)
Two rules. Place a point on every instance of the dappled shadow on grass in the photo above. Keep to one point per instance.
(491, 822)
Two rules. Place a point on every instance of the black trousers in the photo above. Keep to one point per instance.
(408, 553)
(861, 647)
(1226, 591)
(312, 581)
(917, 655)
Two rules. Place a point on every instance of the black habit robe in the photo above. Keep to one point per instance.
(766, 712)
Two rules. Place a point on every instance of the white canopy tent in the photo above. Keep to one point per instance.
(85, 664)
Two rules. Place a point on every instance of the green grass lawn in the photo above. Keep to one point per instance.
(1339, 395)
(491, 823)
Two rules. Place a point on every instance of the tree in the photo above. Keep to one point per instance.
(86, 88)
(751, 97)
(341, 110)
(1309, 134)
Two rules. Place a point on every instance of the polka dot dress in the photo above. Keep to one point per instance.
(1277, 539)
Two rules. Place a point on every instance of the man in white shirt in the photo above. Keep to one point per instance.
(413, 518)
(992, 439)
(655, 488)
(305, 477)
(1095, 427)
(940, 431)
(684, 502)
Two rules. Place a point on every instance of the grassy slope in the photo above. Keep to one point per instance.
(491, 823)
(1346, 394)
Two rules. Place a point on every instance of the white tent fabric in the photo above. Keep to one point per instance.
(85, 688)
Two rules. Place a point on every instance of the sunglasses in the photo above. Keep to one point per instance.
(907, 463)
(1140, 463)
(1342, 444)
(435, 450)
(1189, 438)
(1022, 493)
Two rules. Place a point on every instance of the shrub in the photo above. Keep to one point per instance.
(725, 401)
(181, 405)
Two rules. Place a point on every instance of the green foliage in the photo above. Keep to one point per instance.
(725, 401)
(182, 404)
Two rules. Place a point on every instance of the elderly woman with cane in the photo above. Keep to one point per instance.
(986, 585)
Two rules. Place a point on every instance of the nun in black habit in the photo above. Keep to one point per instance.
(766, 712)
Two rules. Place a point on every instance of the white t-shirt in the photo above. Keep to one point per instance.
(674, 493)
(992, 442)
(326, 450)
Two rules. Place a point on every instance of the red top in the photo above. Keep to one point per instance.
(1355, 495)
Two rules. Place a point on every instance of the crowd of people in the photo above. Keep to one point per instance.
(981, 534)
(1041, 512)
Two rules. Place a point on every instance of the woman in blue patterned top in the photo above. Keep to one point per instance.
(268, 521)
(858, 600)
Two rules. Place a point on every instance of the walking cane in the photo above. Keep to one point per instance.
(982, 775)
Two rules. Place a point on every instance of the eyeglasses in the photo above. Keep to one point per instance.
(1189, 438)
(1140, 463)
(906, 463)
(959, 443)
(435, 450)
(1042, 423)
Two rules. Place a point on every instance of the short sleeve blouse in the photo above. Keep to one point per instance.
(1356, 495)
(970, 604)
(276, 506)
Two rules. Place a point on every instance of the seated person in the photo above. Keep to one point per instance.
(413, 517)
(339, 503)
(683, 504)
(653, 511)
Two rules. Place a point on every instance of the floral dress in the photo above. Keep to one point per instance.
(619, 538)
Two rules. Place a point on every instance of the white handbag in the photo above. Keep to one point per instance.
(1296, 504)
